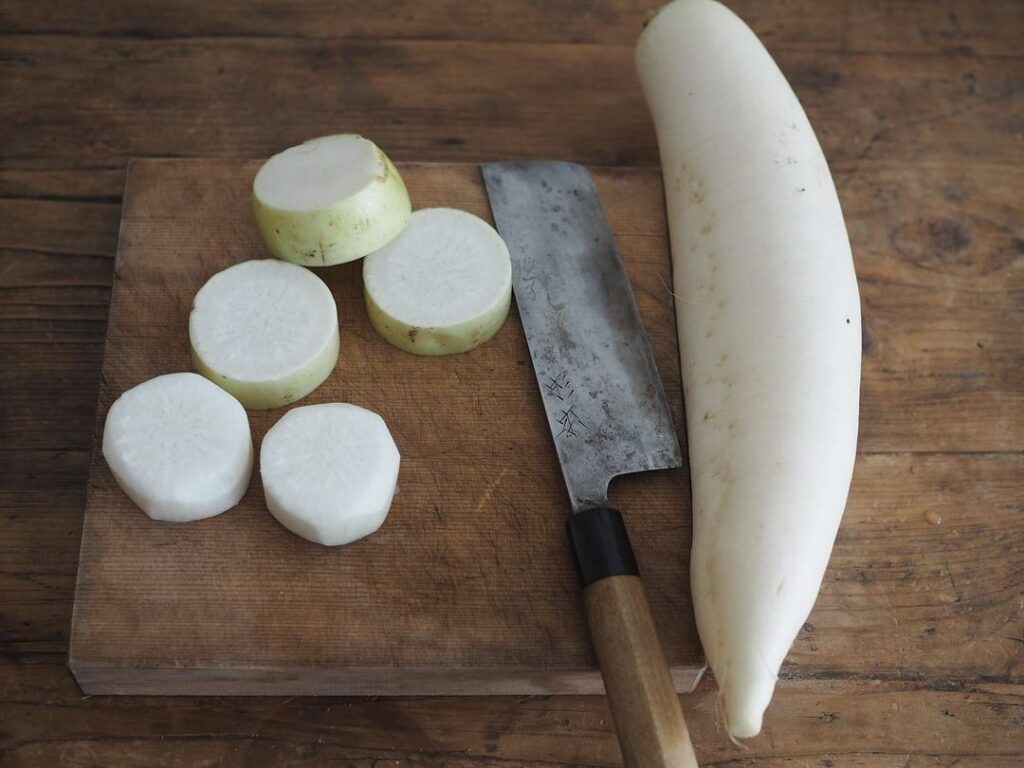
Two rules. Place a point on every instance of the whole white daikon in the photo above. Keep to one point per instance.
(769, 334)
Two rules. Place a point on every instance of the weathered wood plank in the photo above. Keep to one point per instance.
(52, 226)
(911, 27)
(926, 574)
(940, 260)
(37, 180)
(49, 412)
(44, 471)
(578, 102)
(812, 723)
(40, 521)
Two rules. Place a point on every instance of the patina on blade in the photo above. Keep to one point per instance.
(600, 385)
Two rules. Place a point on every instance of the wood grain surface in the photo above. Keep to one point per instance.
(919, 105)
(469, 587)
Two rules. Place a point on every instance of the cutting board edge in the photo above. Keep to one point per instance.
(105, 679)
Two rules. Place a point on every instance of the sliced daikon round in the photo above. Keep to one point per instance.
(329, 472)
(442, 286)
(266, 331)
(179, 446)
(329, 200)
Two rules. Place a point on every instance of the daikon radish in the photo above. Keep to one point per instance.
(769, 334)
(179, 446)
(329, 200)
(442, 286)
(266, 331)
(329, 472)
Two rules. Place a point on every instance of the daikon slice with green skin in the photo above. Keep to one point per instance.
(266, 331)
(179, 447)
(329, 200)
(441, 287)
(329, 472)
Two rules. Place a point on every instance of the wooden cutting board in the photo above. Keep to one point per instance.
(468, 588)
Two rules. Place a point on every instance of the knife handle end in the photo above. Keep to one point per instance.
(641, 695)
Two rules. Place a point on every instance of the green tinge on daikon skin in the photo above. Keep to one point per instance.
(442, 287)
(266, 331)
(769, 337)
(330, 200)
(264, 395)
(430, 341)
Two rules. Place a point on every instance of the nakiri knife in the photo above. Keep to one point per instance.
(608, 416)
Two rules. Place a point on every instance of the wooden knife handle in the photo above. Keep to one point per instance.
(641, 695)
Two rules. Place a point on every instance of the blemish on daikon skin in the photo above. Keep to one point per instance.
(696, 191)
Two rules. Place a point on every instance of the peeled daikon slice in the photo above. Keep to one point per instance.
(179, 446)
(329, 472)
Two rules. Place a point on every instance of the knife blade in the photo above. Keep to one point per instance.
(608, 416)
(604, 399)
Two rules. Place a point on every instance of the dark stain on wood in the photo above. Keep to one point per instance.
(948, 235)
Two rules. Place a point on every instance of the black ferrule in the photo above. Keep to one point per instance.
(601, 545)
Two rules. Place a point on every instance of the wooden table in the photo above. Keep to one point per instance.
(915, 655)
